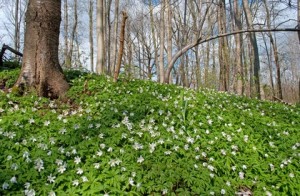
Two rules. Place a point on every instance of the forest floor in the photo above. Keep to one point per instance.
(142, 138)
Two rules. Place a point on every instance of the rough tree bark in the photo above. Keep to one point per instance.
(40, 68)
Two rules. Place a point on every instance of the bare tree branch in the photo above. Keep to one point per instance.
(200, 41)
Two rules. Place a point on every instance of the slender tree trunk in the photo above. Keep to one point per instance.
(17, 26)
(197, 14)
(274, 47)
(100, 37)
(214, 70)
(250, 66)
(91, 34)
(115, 34)
(223, 48)
(107, 15)
(169, 31)
(185, 48)
(253, 40)
(269, 55)
(183, 62)
(153, 37)
(129, 70)
(66, 32)
(121, 49)
(278, 70)
(238, 42)
(206, 65)
(198, 68)
(104, 37)
(162, 42)
(141, 73)
(40, 67)
(73, 35)
(299, 92)
(77, 60)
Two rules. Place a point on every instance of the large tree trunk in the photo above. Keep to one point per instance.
(40, 67)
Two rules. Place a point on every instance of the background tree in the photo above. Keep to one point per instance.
(121, 49)
(161, 72)
(100, 37)
(239, 78)
(223, 48)
(91, 33)
(253, 41)
(40, 68)
(275, 51)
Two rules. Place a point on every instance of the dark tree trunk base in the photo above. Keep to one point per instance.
(40, 68)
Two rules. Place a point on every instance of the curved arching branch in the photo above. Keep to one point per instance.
(200, 41)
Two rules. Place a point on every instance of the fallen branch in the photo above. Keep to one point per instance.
(281, 101)
(6, 47)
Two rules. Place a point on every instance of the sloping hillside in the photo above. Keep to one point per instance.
(143, 138)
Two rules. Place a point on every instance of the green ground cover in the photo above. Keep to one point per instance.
(143, 138)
